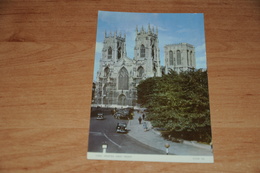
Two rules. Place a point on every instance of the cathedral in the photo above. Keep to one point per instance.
(118, 75)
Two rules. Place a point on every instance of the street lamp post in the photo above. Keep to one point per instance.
(167, 148)
(104, 147)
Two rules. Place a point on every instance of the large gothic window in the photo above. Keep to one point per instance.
(106, 72)
(142, 51)
(123, 79)
(188, 58)
(109, 53)
(191, 58)
(104, 91)
(171, 57)
(178, 57)
(140, 71)
(118, 53)
(153, 51)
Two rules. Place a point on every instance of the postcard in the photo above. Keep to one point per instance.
(150, 99)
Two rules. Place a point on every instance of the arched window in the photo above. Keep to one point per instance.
(188, 58)
(122, 99)
(142, 51)
(104, 91)
(191, 58)
(140, 71)
(153, 52)
(171, 57)
(118, 53)
(178, 57)
(106, 72)
(123, 79)
(109, 53)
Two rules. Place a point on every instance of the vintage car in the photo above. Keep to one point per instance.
(100, 116)
(122, 114)
(121, 127)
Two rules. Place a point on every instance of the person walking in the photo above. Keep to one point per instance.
(143, 116)
(145, 126)
(140, 120)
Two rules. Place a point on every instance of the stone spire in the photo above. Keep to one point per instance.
(149, 29)
(142, 28)
(125, 53)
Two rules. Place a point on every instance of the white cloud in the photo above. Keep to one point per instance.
(183, 30)
(161, 29)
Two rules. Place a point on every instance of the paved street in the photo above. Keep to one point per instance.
(105, 131)
(137, 140)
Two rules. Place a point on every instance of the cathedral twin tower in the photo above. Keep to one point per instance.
(119, 75)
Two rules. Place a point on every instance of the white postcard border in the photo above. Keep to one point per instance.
(149, 157)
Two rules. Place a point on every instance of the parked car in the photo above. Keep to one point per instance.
(121, 127)
(100, 116)
(122, 114)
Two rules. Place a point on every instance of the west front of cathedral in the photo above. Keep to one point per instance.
(119, 75)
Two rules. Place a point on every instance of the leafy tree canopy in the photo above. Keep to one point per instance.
(179, 103)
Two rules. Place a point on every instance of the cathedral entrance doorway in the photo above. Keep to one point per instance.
(122, 99)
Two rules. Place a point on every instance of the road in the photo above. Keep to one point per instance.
(104, 131)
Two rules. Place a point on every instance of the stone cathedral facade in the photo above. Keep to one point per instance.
(118, 75)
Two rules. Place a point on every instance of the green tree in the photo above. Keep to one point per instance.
(179, 103)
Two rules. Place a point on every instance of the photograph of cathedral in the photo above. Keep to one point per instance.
(150, 95)
(118, 75)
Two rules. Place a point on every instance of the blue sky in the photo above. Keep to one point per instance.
(173, 28)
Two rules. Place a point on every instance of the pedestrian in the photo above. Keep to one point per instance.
(145, 126)
(140, 120)
(143, 116)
